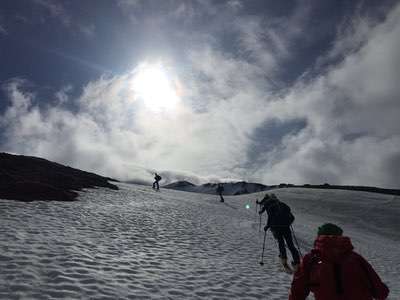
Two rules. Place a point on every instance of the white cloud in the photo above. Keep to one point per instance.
(56, 10)
(352, 133)
(3, 31)
(88, 30)
(112, 130)
(235, 5)
(352, 113)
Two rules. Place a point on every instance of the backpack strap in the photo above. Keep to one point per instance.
(308, 268)
(337, 271)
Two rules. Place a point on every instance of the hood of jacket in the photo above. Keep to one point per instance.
(332, 247)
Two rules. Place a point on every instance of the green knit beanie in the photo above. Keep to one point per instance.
(329, 229)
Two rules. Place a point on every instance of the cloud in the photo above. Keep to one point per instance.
(339, 127)
(3, 31)
(352, 115)
(235, 5)
(88, 30)
(56, 10)
(114, 134)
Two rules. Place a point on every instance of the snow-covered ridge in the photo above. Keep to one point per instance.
(242, 187)
(230, 188)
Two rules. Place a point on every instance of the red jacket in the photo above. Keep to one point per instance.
(333, 271)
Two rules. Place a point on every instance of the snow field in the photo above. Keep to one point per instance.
(137, 243)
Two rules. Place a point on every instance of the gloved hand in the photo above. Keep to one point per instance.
(266, 227)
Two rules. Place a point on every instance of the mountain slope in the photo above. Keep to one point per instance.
(29, 178)
(136, 243)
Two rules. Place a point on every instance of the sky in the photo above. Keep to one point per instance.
(263, 91)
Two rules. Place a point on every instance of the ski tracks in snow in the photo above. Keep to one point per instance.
(136, 243)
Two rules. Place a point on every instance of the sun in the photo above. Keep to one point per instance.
(154, 87)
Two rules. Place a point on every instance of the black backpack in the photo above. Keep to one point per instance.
(280, 214)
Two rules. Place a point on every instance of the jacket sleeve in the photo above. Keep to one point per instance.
(268, 220)
(300, 289)
(379, 290)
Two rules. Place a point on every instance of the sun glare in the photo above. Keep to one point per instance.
(152, 85)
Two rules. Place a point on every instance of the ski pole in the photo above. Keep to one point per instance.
(262, 253)
(259, 226)
(297, 243)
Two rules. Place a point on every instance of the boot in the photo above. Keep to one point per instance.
(286, 266)
(295, 266)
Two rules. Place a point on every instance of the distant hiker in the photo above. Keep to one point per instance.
(157, 178)
(220, 190)
(279, 221)
(333, 271)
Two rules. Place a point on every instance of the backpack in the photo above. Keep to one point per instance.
(281, 214)
(315, 259)
(287, 215)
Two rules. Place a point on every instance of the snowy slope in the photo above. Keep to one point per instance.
(136, 243)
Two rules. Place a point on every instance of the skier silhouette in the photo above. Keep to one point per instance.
(157, 178)
(220, 190)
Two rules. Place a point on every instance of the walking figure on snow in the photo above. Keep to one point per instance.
(279, 221)
(157, 178)
(333, 271)
(220, 190)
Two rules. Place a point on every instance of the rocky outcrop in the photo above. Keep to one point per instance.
(27, 178)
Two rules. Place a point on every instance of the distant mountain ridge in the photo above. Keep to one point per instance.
(28, 178)
(230, 188)
(243, 187)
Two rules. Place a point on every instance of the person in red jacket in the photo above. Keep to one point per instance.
(333, 271)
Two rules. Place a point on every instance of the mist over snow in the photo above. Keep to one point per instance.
(235, 117)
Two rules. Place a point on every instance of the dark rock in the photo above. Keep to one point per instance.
(28, 178)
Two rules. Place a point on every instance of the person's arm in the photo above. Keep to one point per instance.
(268, 220)
(378, 289)
(300, 289)
(268, 225)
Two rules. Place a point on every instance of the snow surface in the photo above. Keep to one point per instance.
(136, 243)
